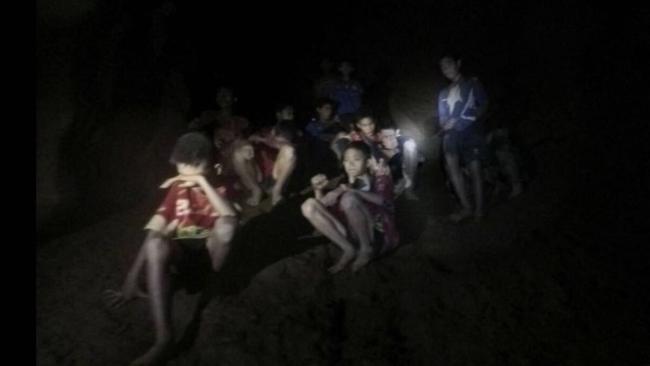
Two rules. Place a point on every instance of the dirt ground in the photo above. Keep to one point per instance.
(547, 278)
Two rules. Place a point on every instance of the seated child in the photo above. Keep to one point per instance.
(326, 125)
(400, 153)
(275, 159)
(188, 236)
(364, 130)
(361, 209)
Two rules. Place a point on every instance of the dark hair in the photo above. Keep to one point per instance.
(193, 148)
(225, 87)
(358, 145)
(348, 61)
(387, 124)
(451, 53)
(364, 112)
(320, 102)
(285, 129)
(279, 107)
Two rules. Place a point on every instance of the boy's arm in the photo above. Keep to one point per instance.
(247, 180)
(370, 197)
(477, 102)
(330, 197)
(267, 140)
(443, 112)
(220, 204)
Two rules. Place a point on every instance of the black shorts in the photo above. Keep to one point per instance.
(468, 144)
(192, 265)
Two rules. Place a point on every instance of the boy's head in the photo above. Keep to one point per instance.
(355, 159)
(284, 112)
(365, 123)
(192, 153)
(284, 131)
(325, 108)
(326, 65)
(388, 134)
(450, 66)
(346, 68)
(225, 97)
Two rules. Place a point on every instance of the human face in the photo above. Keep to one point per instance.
(450, 68)
(225, 98)
(354, 163)
(247, 152)
(389, 139)
(325, 112)
(346, 68)
(285, 114)
(367, 126)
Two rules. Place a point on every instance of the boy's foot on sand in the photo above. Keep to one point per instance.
(156, 355)
(460, 215)
(343, 261)
(399, 187)
(116, 299)
(362, 259)
(410, 195)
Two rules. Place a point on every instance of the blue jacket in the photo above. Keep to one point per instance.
(462, 102)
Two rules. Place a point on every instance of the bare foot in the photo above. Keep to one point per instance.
(156, 355)
(343, 261)
(399, 187)
(410, 195)
(460, 215)
(254, 199)
(362, 259)
(116, 299)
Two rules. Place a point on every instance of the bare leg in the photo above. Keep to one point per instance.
(158, 257)
(244, 165)
(409, 167)
(477, 178)
(130, 289)
(218, 243)
(323, 221)
(456, 176)
(360, 222)
(282, 169)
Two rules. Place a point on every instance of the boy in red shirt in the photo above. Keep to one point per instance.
(190, 231)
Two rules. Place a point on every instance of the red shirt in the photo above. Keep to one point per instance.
(187, 211)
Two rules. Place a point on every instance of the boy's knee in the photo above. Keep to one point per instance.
(243, 152)
(225, 227)
(308, 207)
(349, 200)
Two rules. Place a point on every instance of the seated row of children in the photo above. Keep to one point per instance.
(190, 234)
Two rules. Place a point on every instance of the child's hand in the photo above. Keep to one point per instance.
(218, 168)
(256, 138)
(449, 124)
(378, 168)
(276, 198)
(319, 182)
(188, 181)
